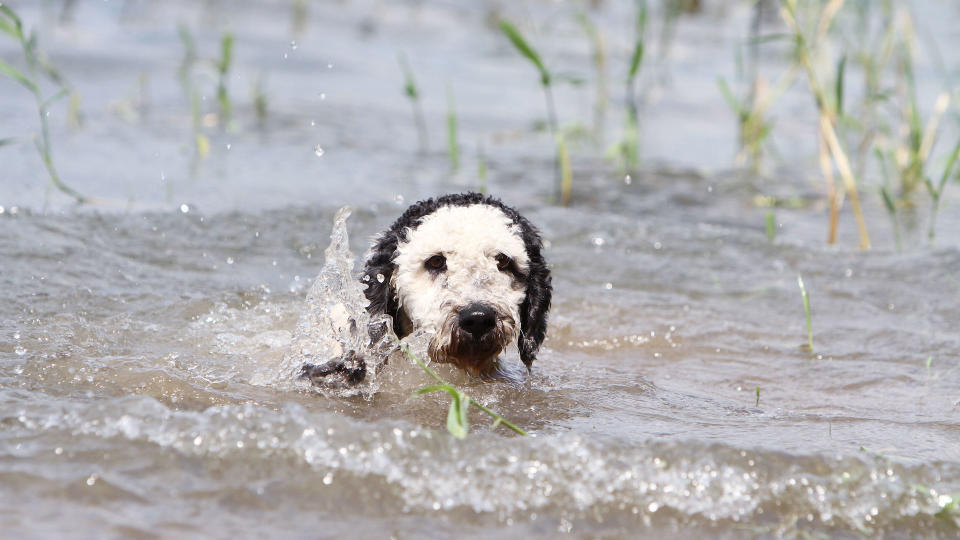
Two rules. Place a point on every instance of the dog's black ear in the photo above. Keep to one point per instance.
(377, 275)
(536, 304)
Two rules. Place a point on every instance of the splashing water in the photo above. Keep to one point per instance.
(335, 320)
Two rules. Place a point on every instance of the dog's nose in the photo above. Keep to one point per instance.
(477, 319)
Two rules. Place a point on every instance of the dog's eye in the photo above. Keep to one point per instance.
(437, 263)
(503, 262)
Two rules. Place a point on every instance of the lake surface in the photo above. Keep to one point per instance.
(145, 339)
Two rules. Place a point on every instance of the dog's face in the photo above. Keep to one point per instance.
(461, 275)
(468, 270)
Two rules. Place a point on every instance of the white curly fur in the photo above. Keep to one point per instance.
(470, 238)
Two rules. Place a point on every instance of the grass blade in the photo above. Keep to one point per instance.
(13, 73)
(838, 89)
(453, 147)
(806, 309)
(13, 26)
(771, 223)
(525, 49)
(457, 423)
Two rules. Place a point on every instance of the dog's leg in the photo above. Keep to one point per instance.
(351, 366)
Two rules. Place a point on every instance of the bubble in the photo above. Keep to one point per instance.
(293, 45)
(608, 286)
(229, 260)
(229, 146)
(398, 198)
(184, 208)
(329, 66)
(91, 480)
(627, 180)
(318, 150)
(58, 450)
(597, 241)
(198, 441)
(653, 507)
(328, 479)
(323, 96)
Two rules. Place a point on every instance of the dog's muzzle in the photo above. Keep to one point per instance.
(476, 334)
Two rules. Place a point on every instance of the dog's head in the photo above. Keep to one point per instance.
(468, 268)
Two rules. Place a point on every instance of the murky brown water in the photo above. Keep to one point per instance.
(143, 347)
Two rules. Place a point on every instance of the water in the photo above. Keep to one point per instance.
(147, 343)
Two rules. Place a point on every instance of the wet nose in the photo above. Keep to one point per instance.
(477, 319)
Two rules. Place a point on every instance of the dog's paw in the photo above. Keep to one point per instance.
(350, 368)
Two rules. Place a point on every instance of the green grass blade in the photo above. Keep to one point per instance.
(525, 49)
(226, 53)
(838, 89)
(12, 24)
(728, 95)
(457, 423)
(453, 146)
(949, 168)
(13, 73)
(771, 223)
(433, 388)
(54, 98)
(635, 59)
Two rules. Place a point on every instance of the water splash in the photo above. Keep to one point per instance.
(335, 319)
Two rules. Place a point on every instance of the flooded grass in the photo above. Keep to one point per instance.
(150, 339)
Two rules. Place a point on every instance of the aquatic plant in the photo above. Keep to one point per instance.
(37, 65)
(628, 146)
(598, 56)
(410, 89)
(457, 423)
(223, 65)
(481, 169)
(453, 147)
(832, 151)
(546, 82)
(260, 105)
(806, 310)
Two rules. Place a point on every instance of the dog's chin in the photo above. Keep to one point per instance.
(477, 357)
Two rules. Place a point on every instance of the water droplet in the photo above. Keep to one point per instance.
(198, 441)
(380, 278)
(229, 260)
(293, 45)
(608, 286)
(20, 351)
(284, 56)
(627, 180)
(653, 507)
(91, 480)
(398, 198)
(16, 335)
(58, 451)
(597, 241)
(329, 66)
(2, 210)
(657, 245)
(229, 145)
(313, 123)
(318, 150)
(848, 272)
(323, 96)
(163, 176)
(328, 479)
(184, 208)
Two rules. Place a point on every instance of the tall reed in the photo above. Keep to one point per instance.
(11, 25)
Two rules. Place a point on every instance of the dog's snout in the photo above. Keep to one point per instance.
(477, 319)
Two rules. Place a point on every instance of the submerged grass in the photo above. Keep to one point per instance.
(413, 94)
(457, 422)
(37, 65)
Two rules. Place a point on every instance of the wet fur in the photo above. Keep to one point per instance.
(529, 284)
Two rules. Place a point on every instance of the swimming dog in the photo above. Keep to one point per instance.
(466, 267)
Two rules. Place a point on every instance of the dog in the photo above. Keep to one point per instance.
(468, 269)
